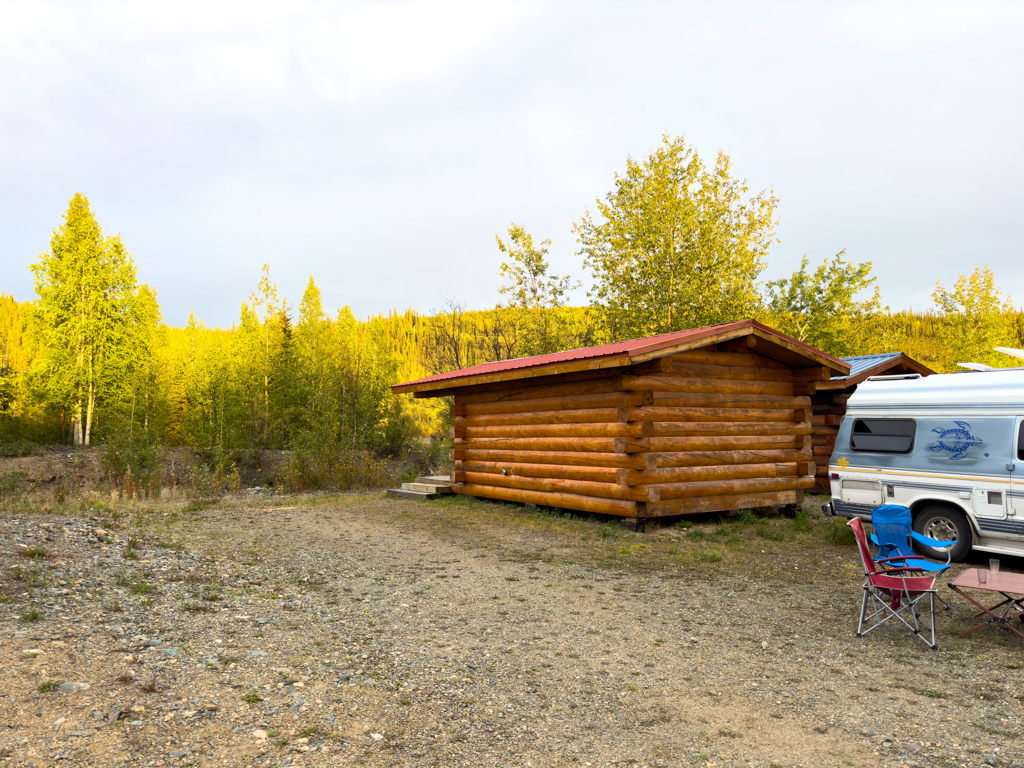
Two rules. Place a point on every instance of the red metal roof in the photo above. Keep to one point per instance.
(631, 348)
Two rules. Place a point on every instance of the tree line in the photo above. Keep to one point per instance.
(674, 245)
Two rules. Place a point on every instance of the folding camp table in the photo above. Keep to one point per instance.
(1007, 585)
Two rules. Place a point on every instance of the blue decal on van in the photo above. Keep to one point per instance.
(956, 441)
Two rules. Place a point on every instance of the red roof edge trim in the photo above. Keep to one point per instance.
(630, 348)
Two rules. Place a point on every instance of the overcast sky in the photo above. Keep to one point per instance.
(380, 147)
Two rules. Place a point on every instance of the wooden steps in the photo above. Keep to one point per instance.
(423, 489)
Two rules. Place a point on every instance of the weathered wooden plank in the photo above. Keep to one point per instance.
(558, 500)
(562, 402)
(665, 413)
(595, 385)
(722, 503)
(587, 459)
(575, 444)
(560, 471)
(726, 487)
(704, 458)
(740, 443)
(712, 386)
(697, 371)
(719, 400)
(695, 474)
(663, 428)
(574, 416)
(646, 493)
(614, 429)
(727, 359)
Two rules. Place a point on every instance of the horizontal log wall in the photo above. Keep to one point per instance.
(827, 411)
(700, 431)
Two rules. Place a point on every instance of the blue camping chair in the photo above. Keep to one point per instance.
(893, 536)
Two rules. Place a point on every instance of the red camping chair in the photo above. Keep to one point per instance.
(894, 592)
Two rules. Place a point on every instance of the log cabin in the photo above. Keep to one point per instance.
(702, 420)
(828, 402)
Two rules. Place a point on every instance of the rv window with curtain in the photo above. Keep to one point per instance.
(883, 435)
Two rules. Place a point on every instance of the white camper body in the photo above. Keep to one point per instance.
(950, 447)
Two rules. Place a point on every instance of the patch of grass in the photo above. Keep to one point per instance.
(153, 685)
(19, 448)
(197, 608)
(34, 553)
(252, 698)
(32, 615)
(142, 588)
(175, 546)
(305, 733)
(839, 533)
(30, 577)
(708, 556)
(745, 516)
(697, 533)
(766, 531)
(802, 522)
(684, 524)
(48, 686)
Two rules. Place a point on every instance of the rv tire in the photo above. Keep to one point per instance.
(938, 521)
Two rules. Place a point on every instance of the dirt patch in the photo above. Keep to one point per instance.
(362, 630)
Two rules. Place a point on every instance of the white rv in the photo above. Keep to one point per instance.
(949, 447)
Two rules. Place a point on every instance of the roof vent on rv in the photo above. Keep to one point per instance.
(897, 377)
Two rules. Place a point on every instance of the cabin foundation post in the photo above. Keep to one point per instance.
(635, 524)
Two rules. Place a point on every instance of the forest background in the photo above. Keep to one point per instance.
(676, 244)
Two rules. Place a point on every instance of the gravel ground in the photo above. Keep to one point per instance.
(362, 630)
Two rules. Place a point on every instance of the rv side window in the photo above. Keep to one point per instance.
(1020, 443)
(883, 435)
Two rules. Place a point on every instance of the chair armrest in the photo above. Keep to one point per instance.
(898, 571)
(933, 543)
(900, 559)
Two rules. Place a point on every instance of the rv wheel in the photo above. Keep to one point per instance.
(945, 524)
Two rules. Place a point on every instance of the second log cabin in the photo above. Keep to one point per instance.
(703, 420)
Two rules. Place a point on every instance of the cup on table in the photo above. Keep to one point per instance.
(993, 565)
(982, 576)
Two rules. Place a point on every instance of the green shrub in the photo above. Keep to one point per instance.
(19, 448)
(132, 460)
(746, 516)
(802, 521)
(214, 475)
(319, 461)
(839, 533)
